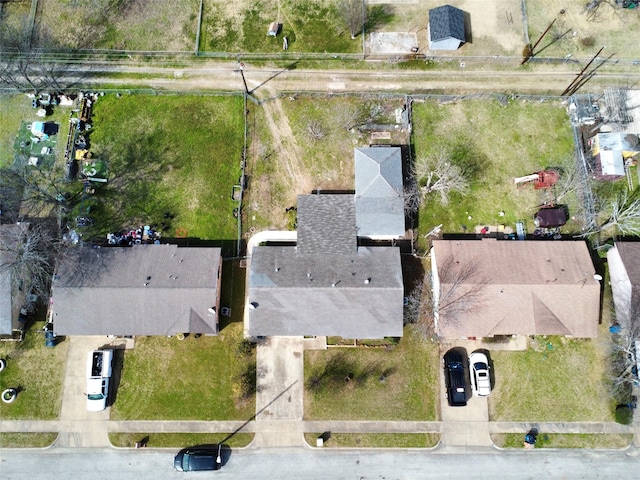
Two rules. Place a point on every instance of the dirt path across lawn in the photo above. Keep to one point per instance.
(284, 142)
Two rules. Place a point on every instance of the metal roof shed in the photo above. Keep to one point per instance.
(446, 28)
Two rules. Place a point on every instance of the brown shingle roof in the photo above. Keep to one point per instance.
(522, 287)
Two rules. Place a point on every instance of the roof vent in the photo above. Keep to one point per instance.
(597, 277)
(253, 305)
(367, 281)
(212, 310)
(335, 283)
(277, 269)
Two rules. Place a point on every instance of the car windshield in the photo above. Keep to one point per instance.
(480, 366)
(95, 396)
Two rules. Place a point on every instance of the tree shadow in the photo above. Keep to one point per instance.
(378, 15)
(340, 371)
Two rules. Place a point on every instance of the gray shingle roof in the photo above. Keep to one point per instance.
(326, 224)
(379, 191)
(9, 234)
(446, 22)
(293, 293)
(142, 290)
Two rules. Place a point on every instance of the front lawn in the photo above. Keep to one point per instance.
(373, 383)
(555, 379)
(173, 161)
(494, 143)
(37, 372)
(205, 378)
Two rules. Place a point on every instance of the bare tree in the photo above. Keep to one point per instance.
(315, 130)
(623, 219)
(27, 252)
(25, 67)
(354, 14)
(437, 173)
(347, 116)
(461, 288)
(569, 181)
(418, 310)
(38, 188)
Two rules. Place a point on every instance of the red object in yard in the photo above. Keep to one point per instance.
(541, 179)
(546, 179)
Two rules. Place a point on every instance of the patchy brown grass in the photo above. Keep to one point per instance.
(611, 27)
(555, 379)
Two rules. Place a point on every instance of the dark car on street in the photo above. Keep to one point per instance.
(455, 377)
(206, 457)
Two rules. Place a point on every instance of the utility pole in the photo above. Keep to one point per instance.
(246, 88)
(529, 50)
(364, 53)
(577, 82)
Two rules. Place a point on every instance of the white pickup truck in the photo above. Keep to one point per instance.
(98, 376)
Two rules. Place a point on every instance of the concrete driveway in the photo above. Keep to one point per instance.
(463, 426)
(279, 392)
(79, 427)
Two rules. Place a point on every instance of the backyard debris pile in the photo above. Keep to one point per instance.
(142, 234)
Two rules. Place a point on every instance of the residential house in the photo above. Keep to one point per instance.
(379, 192)
(446, 29)
(13, 292)
(326, 284)
(489, 287)
(139, 290)
(624, 274)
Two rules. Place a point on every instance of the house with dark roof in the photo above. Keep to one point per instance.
(13, 295)
(326, 284)
(624, 273)
(379, 192)
(446, 28)
(139, 290)
(489, 287)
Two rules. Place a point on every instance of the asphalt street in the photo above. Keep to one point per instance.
(296, 464)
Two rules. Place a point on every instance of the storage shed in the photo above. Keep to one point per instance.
(446, 28)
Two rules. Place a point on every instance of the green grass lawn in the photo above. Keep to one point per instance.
(180, 440)
(556, 379)
(385, 383)
(495, 143)
(376, 440)
(169, 154)
(558, 440)
(26, 440)
(206, 378)
(309, 25)
(37, 372)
